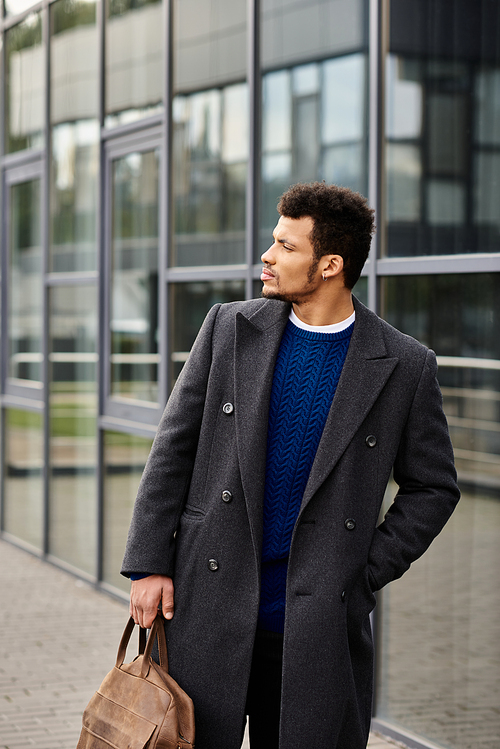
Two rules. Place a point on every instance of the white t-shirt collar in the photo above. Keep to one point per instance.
(336, 327)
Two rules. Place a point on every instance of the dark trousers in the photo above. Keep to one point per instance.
(264, 690)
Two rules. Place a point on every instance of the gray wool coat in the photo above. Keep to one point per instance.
(386, 414)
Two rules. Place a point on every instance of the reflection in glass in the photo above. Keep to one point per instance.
(14, 7)
(23, 476)
(24, 85)
(189, 304)
(310, 29)
(75, 135)
(25, 282)
(313, 128)
(451, 671)
(134, 277)
(210, 157)
(73, 424)
(210, 43)
(125, 456)
(134, 60)
(442, 132)
(360, 290)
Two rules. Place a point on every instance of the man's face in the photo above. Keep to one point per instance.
(290, 270)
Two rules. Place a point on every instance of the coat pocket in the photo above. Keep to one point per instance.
(361, 600)
(191, 512)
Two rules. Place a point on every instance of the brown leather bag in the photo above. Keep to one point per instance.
(138, 705)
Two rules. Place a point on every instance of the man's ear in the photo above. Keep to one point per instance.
(334, 265)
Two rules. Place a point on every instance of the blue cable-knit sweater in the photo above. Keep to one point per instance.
(305, 378)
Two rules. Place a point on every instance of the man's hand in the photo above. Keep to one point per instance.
(148, 595)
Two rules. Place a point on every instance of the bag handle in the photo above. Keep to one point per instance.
(157, 632)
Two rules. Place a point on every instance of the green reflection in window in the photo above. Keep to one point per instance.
(74, 106)
(134, 282)
(73, 424)
(25, 282)
(24, 85)
(23, 476)
(210, 156)
(189, 304)
(125, 456)
(360, 290)
(134, 60)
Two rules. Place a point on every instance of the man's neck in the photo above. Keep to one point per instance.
(327, 310)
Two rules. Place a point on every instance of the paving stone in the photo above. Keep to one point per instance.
(58, 639)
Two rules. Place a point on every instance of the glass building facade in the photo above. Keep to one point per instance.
(144, 145)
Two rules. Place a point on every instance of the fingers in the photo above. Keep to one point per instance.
(168, 598)
(147, 596)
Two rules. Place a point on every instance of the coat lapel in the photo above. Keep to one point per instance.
(257, 342)
(366, 370)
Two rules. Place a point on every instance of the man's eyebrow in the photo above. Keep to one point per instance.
(283, 241)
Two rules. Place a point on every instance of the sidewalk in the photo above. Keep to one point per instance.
(58, 639)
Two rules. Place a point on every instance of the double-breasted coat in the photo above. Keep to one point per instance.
(198, 518)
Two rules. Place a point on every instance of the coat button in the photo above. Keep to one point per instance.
(213, 565)
(228, 408)
(226, 496)
(371, 440)
(350, 524)
(343, 596)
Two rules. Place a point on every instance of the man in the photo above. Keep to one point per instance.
(255, 527)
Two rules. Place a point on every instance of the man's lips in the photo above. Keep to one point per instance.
(266, 274)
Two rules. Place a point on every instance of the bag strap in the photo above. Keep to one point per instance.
(157, 632)
(122, 648)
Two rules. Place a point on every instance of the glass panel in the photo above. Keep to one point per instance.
(25, 282)
(24, 85)
(210, 122)
(13, 7)
(23, 476)
(73, 424)
(313, 113)
(134, 277)
(360, 290)
(189, 304)
(210, 43)
(75, 135)
(134, 60)
(125, 456)
(310, 29)
(442, 132)
(440, 632)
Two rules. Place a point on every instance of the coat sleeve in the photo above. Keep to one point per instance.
(167, 475)
(425, 473)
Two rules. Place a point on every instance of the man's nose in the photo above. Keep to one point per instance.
(267, 257)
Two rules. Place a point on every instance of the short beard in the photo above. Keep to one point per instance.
(293, 298)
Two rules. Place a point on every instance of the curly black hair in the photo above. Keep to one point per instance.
(343, 222)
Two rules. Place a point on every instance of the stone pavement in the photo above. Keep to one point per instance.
(58, 639)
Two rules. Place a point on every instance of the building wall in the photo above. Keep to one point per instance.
(144, 147)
